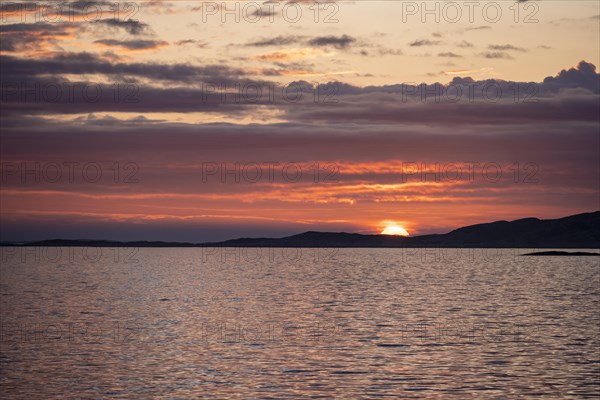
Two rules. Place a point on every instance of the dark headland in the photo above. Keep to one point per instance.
(581, 231)
(562, 253)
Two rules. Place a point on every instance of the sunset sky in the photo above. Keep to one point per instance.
(200, 121)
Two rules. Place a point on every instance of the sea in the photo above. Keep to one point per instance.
(258, 323)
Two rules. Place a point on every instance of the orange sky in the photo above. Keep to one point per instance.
(185, 121)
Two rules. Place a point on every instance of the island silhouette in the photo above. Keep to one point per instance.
(576, 231)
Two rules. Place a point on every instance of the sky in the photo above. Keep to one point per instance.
(203, 121)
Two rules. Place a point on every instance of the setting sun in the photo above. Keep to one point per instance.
(395, 230)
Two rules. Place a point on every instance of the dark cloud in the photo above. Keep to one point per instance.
(64, 10)
(391, 52)
(263, 12)
(497, 55)
(133, 44)
(131, 26)
(570, 96)
(583, 76)
(40, 28)
(505, 47)
(23, 36)
(184, 42)
(477, 28)
(369, 109)
(339, 42)
(424, 42)
(381, 51)
(449, 54)
(11, 7)
(191, 142)
(276, 41)
(22, 70)
(11, 43)
(191, 41)
(464, 44)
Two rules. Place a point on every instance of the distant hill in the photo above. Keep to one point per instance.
(582, 230)
(576, 231)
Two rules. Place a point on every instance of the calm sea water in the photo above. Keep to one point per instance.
(297, 323)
